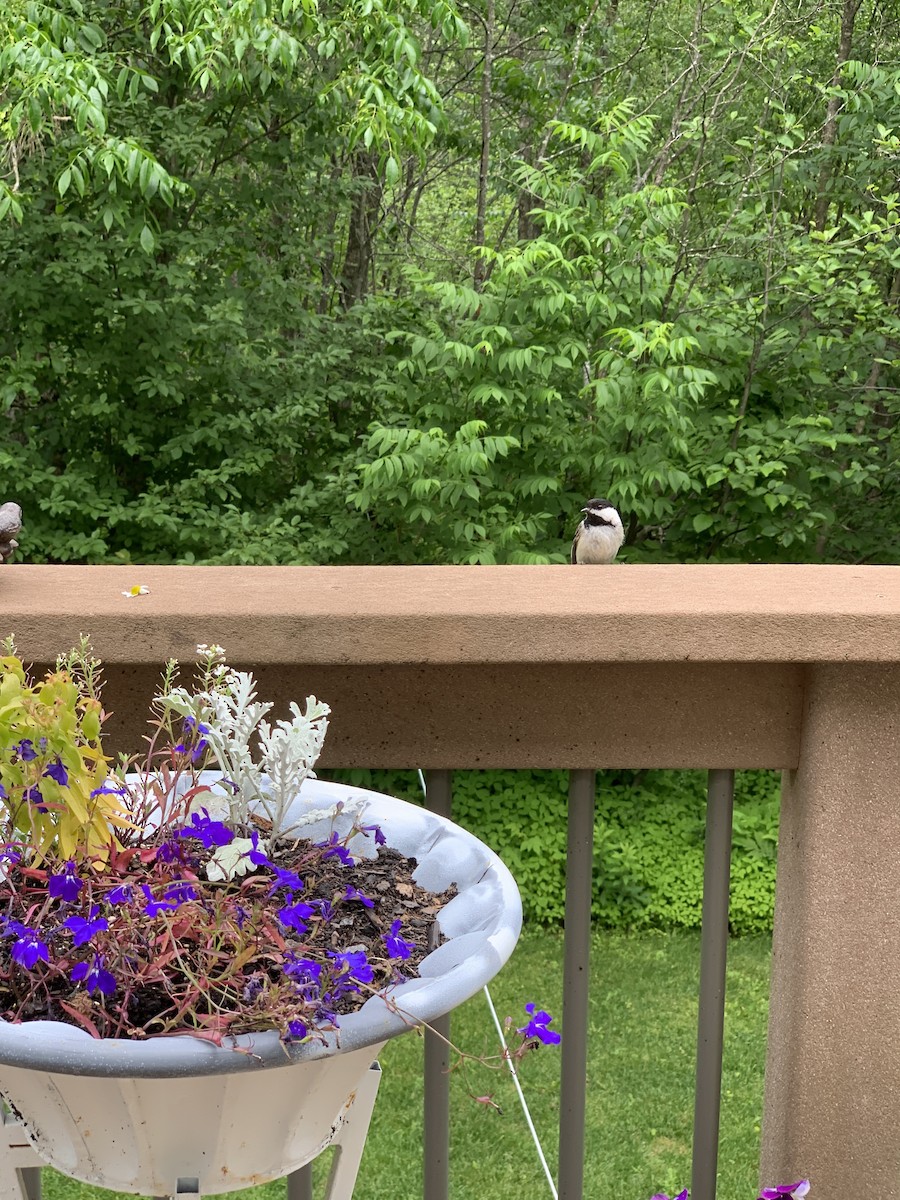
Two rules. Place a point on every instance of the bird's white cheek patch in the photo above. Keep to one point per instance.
(610, 515)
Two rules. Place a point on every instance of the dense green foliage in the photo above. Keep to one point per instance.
(406, 281)
(649, 836)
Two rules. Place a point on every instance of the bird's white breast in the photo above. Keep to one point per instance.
(598, 544)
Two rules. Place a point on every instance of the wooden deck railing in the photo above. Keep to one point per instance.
(718, 667)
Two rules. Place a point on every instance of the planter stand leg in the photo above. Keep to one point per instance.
(349, 1143)
(20, 1175)
(351, 1138)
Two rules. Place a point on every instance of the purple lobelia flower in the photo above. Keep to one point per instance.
(334, 849)
(180, 892)
(32, 795)
(82, 931)
(296, 1031)
(295, 916)
(154, 907)
(353, 965)
(795, 1191)
(256, 856)
(94, 977)
(58, 772)
(66, 885)
(353, 893)
(28, 948)
(109, 789)
(191, 727)
(380, 839)
(123, 894)
(396, 946)
(211, 833)
(25, 750)
(325, 1012)
(662, 1196)
(172, 851)
(289, 880)
(537, 1028)
(305, 973)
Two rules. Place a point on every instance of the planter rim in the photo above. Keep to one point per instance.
(480, 926)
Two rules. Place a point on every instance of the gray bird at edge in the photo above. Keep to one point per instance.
(10, 524)
(599, 536)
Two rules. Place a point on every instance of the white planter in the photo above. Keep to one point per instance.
(174, 1114)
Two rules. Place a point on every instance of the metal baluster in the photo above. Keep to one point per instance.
(579, 889)
(438, 794)
(711, 1012)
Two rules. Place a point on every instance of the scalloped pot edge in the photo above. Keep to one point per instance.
(138, 1116)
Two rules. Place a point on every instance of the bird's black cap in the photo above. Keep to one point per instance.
(598, 502)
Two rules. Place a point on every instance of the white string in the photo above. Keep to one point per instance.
(515, 1075)
(509, 1061)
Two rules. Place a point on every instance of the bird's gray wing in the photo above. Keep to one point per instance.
(10, 519)
(574, 558)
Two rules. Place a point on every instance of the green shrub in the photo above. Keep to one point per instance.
(648, 841)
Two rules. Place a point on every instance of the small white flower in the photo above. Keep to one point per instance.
(137, 590)
(217, 806)
(232, 860)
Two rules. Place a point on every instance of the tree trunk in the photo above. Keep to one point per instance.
(829, 129)
(485, 160)
(360, 254)
(327, 292)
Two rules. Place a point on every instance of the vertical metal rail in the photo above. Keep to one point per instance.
(576, 978)
(436, 1181)
(711, 1012)
(299, 1184)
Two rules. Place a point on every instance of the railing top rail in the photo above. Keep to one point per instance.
(511, 614)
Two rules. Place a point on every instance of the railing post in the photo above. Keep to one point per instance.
(436, 1179)
(579, 891)
(711, 1009)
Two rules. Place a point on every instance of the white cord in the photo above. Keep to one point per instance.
(509, 1061)
(514, 1073)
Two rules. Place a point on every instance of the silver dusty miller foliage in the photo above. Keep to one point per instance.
(229, 716)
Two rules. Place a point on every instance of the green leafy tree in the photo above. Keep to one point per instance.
(313, 282)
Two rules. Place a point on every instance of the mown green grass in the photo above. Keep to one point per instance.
(640, 1081)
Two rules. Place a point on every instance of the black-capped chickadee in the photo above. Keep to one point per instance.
(600, 534)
